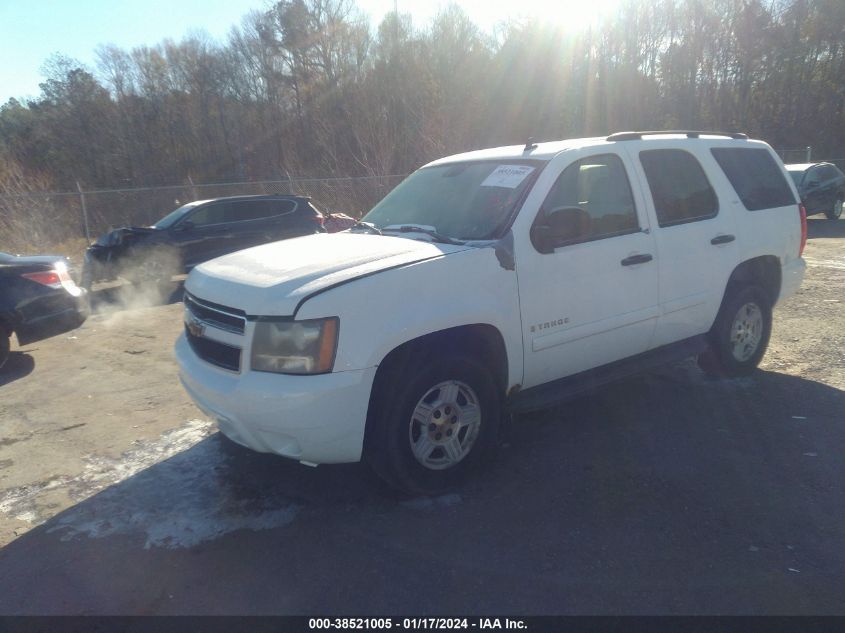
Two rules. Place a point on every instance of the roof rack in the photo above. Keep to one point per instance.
(636, 136)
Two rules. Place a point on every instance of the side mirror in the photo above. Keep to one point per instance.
(563, 225)
(187, 225)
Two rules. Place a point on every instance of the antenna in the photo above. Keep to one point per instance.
(530, 144)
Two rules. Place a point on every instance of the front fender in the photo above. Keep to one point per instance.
(381, 312)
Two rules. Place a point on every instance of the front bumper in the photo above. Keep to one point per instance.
(314, 419)
(792, 274)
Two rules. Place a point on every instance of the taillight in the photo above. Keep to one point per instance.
(56, 278)
(319, 219)
(803, 213)
(47, 278)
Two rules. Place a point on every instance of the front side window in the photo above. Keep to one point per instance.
(174, 216)
(472, 200)
(216, 213)
(755, 176)
(597, 191)
(679, 188)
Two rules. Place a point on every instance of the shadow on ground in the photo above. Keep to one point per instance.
(18, 365)
(665, 493)
(821, 227)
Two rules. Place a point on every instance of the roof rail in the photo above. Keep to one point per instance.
(636, 136)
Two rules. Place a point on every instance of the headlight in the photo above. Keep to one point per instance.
(295, 347)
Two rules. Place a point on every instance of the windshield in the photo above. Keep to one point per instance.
(466, 201)
(174, 216)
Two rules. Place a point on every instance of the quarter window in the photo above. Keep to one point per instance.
(598, 188)
(754, 175)
(679, 188)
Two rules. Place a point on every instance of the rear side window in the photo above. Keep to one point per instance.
(755, 176)
(259, 209)
(679, 188)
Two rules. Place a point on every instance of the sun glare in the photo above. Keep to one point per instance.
(572, 15)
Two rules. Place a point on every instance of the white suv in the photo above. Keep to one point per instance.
(493, 281)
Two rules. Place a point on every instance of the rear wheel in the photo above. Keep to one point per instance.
(740, 335)
(432, 423)
(836, 212)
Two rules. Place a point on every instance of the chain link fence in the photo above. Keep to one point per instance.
(798, 155)
(34, 220)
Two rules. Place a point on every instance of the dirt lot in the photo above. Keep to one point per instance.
(664, 493)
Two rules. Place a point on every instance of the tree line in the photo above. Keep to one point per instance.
(311, 88)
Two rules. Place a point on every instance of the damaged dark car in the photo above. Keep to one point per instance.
(38, 299)
(195, 233)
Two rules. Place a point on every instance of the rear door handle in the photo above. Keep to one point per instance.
(636, 259)
(722, 239)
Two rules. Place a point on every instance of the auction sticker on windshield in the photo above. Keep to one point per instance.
(508, 176)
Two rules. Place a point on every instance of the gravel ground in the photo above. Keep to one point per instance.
(663, 493)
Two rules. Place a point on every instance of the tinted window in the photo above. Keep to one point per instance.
(755, 176)
(813, 176)
(679, 188)
(829, 172)
(599, 186)
(258, 209)
(210, 214)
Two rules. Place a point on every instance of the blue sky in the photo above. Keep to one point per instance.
(32, 30)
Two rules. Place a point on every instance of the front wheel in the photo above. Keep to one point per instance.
(836, 212)
(740, 335)
(432, 422)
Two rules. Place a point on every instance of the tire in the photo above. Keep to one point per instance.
(5, 347)
(836, 212)
(740, 335)
(431, 423)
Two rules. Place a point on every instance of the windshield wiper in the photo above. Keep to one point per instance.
(427, 230)
(369, 226)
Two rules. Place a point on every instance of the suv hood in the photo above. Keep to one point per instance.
(119, 236)
(272, 279)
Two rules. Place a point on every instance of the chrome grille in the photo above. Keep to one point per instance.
(215, 352)
(215, 315)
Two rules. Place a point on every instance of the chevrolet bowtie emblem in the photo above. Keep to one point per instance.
(196, 328)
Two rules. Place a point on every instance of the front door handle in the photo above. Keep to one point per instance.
(636, 259)
(722, 239)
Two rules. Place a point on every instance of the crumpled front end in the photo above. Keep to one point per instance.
(105, 258)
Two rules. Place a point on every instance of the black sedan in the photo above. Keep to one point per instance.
(38, 299)
(822, 188)
(197, 232)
